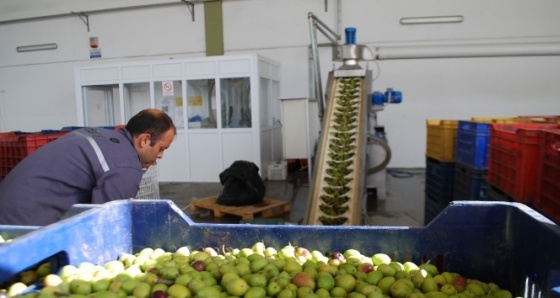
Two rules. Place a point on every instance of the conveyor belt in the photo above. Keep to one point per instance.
(337, 187)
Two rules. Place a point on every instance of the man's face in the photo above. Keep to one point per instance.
(149, 153)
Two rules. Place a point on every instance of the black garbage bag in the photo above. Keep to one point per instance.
(242, 185)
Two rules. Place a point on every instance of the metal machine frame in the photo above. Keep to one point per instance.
(338, 187)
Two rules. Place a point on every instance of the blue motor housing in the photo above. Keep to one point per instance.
(390, 96)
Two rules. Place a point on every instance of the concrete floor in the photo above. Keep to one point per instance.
(403, 205)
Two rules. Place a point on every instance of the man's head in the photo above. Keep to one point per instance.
(152, 133)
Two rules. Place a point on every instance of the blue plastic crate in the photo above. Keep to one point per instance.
(496, 194)
(470, 183)
(72, 127)
(51, 131)
(506, 243)
(472, 144)
(107, 127)
(439, 180)
(432, 208)
(10, 232)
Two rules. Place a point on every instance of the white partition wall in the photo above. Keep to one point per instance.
(225, 108)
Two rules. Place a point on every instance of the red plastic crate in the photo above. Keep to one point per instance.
(548, 182)
(555, 119)
(513, 159)
(3, 146)
(15, 147)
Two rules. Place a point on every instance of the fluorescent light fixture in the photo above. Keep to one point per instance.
(37, 47)
(432, 20)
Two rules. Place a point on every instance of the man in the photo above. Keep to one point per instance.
(86, 166)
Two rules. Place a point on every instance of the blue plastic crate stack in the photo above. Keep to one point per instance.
(439, 187)
(440, 166)
(471, 161)
(459, 171)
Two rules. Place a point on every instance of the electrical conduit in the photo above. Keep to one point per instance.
(464, 51)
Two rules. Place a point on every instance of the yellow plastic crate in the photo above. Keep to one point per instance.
(441, 139)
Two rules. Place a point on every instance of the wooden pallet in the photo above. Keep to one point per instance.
(268, 208)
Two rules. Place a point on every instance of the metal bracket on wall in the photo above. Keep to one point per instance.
(84, 15)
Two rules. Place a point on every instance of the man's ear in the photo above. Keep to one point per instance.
(144, 140)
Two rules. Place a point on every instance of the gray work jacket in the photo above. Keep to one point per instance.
(86, 166)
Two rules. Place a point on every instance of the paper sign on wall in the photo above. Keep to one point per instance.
(167, 87)
(195, 101)
(178, 101)
(95, 53)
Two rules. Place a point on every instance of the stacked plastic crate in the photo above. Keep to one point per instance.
(15, 146)
(548, 174)
(513, 161)
(471, 169)
(440, 166)
(4, 154)
(149, 185)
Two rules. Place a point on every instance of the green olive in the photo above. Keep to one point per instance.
(335, 200)
(333, 221)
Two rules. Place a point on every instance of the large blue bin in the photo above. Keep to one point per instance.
(10, 232)
(506, 243)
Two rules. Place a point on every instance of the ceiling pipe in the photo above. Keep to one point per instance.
(464, 51)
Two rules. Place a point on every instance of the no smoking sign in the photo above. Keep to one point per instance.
(167, 87)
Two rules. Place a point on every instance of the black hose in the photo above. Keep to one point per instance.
(385, 162)
(400, 173)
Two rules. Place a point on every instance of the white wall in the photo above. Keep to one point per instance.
(37, 88)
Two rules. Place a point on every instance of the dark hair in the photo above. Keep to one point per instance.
(152, 121)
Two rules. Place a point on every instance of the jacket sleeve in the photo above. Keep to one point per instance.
(117, 184)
